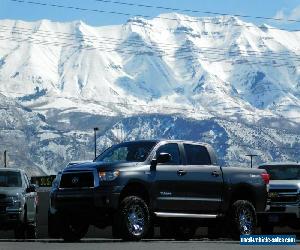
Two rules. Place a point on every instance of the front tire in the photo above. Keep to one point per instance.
(242, 219)
(132, 220)
(53, 226)
(73, 231)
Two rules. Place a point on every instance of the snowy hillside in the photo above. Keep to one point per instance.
(220, 72)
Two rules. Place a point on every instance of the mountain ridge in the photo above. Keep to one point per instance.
(75, 77)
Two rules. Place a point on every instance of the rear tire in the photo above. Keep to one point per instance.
(31, 231)
(20, 229)
(242, 219)
(132, 220)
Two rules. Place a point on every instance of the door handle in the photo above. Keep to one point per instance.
(181, 172)
(215, 173)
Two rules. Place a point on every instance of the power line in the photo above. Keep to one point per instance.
(131, 15)
(130, 41)
(110, 40)
(119, 42)
(177, 56)
(198, 11)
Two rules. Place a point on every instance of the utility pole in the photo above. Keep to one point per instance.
(95, 140)
(5, 158)
(251, 158)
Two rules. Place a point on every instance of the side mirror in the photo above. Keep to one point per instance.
(163, 158)
(31, 188)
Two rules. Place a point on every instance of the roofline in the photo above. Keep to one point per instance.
(280, 163)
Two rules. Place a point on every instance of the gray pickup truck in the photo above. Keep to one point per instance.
(283, 208)
(176, 185)
(18, 203)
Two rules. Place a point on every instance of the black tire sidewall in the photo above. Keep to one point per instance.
(71, 235)
(234, 224)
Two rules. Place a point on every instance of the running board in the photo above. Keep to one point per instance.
(184, 215)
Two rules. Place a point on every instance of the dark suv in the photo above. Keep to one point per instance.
(18, 203)
(176, 185)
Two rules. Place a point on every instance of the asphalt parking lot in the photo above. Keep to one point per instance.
(107, 244)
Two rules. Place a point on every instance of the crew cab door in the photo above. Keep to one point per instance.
(167, 180)
(202, 183)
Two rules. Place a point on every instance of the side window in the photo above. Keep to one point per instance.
(196, 155)
(173, 150)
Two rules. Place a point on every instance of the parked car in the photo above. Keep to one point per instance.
(283, 208)
(176, 185)
(18, 203)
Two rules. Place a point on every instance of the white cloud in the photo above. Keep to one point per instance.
(294, 14)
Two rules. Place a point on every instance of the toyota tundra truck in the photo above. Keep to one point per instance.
(176, 185)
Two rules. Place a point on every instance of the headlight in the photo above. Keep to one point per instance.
(108, 175)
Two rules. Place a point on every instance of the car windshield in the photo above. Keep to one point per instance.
(283, 172)
(10, 179)
(127, 152)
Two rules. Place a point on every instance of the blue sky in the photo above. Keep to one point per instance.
(269, 8)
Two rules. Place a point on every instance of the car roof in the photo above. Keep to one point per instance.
(169, 141)
(282, 164)
(11, 169)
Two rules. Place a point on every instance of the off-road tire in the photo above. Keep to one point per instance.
(53, 226)
(242, 219)
(124, 227)
(20, 229)
(73, 230)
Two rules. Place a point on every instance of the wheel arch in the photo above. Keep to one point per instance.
(135, 188)
(243, 192)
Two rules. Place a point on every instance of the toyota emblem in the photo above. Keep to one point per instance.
(75, 180)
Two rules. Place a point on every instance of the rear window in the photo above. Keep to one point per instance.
(283, 172)
(196, 155)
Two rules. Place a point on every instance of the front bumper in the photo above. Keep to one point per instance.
(85, 202)
(281, 214)
(11, 218)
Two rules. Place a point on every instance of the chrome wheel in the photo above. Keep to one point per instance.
(135, 220)
(246, 221)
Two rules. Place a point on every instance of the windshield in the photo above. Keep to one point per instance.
(10, 179)
(283, 172)
(127, 152)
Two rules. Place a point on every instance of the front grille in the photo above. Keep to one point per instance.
(77, 180)
(284, 190)
(285, 199)
(284, 195)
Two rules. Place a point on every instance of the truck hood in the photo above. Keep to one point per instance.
(99, 165)
(274, 184)
(11, 191)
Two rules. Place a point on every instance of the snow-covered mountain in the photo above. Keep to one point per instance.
(220, 73)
